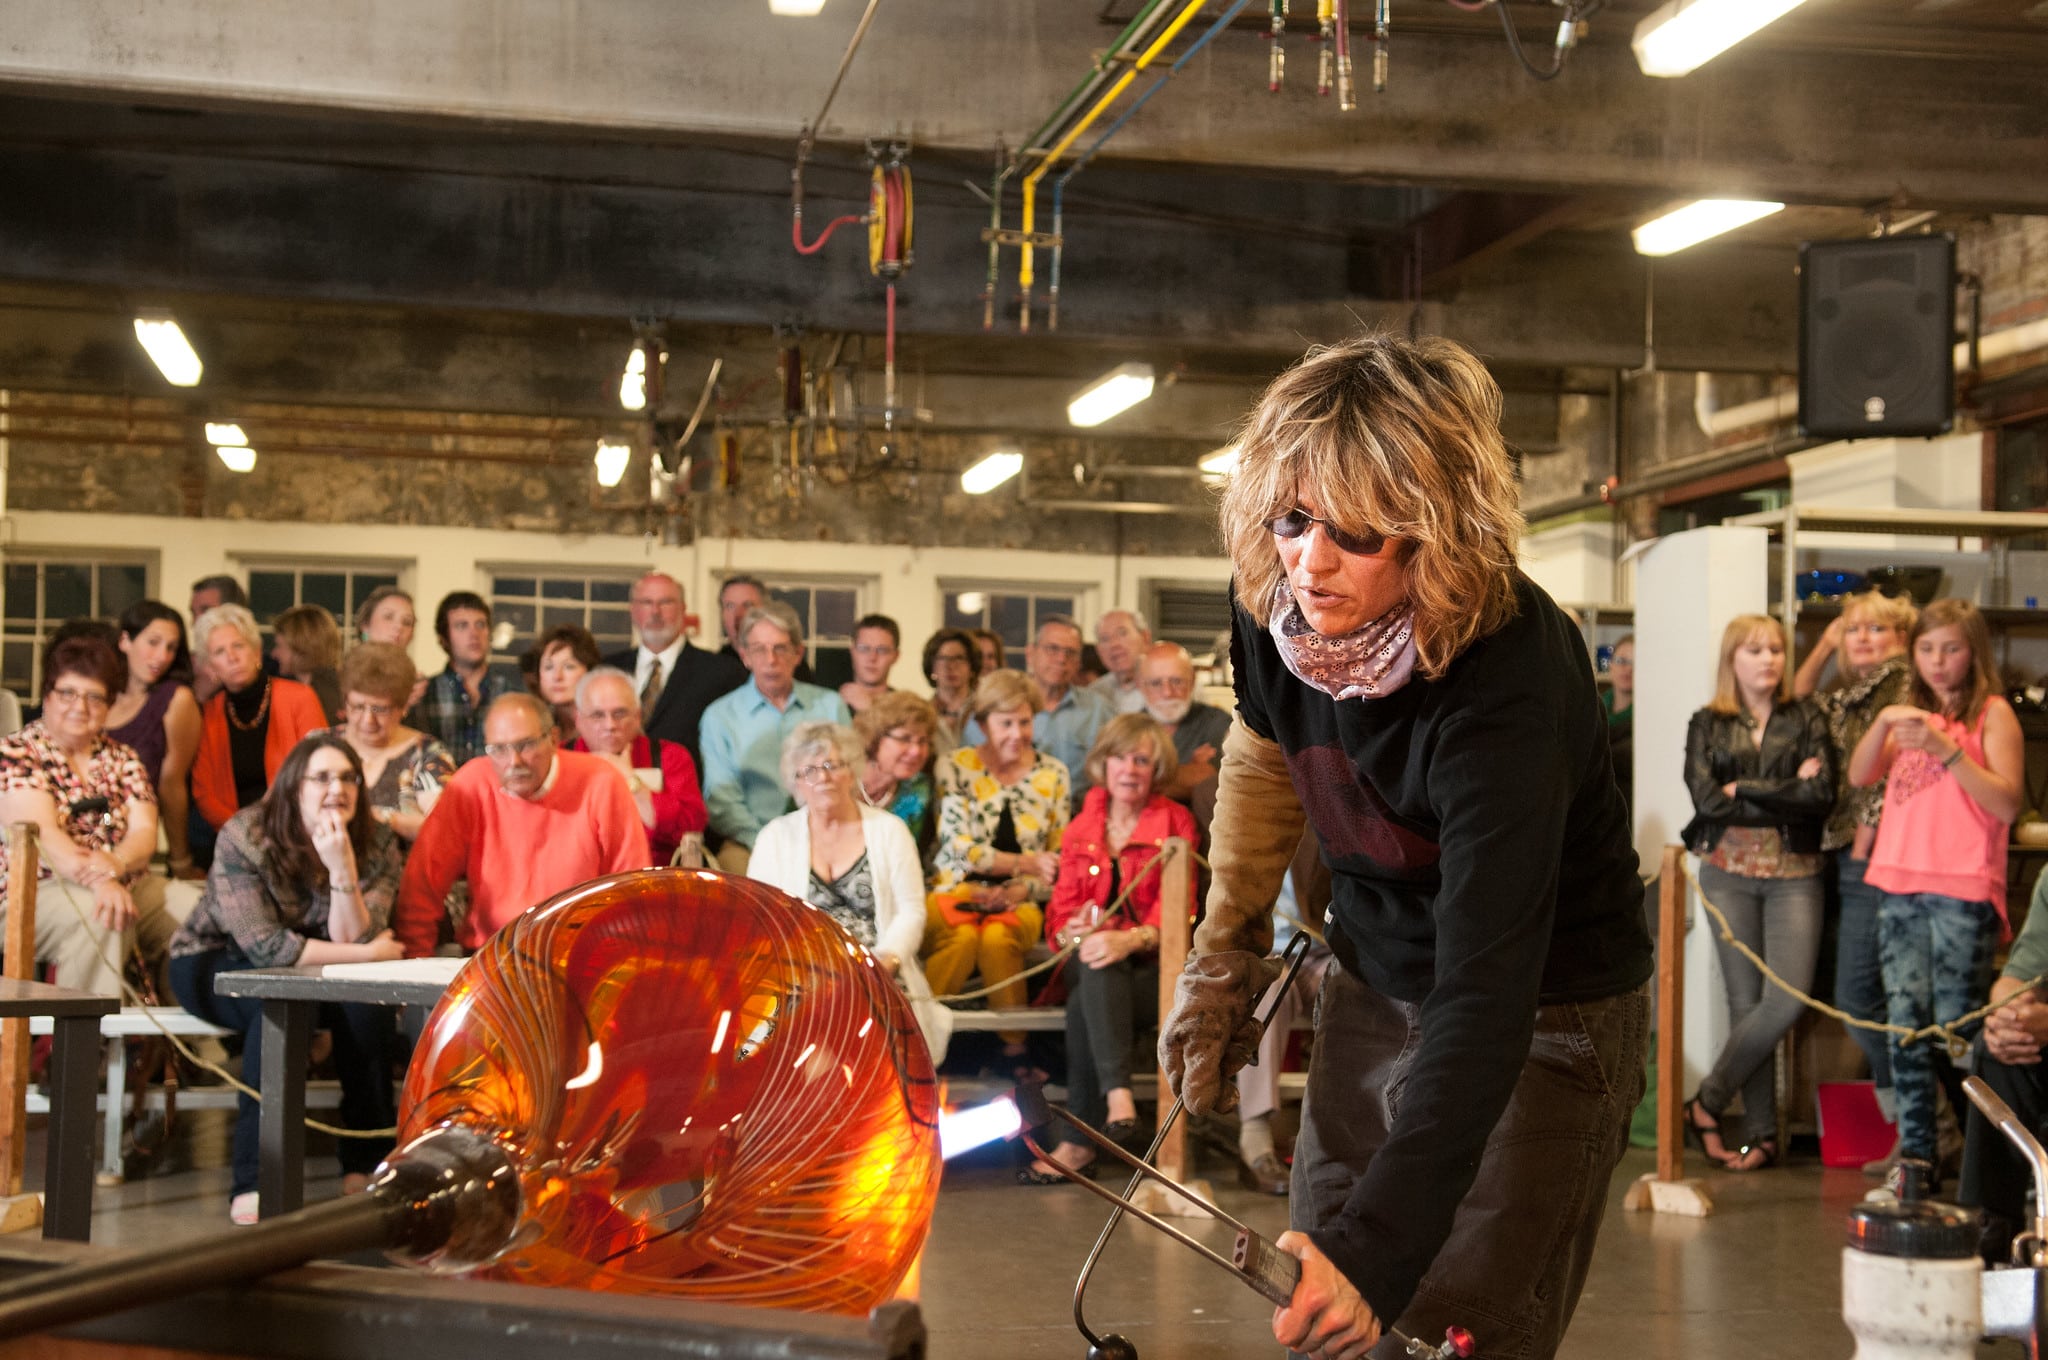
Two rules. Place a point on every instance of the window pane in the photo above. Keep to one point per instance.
(67, 591)
(1010, 616)
(514, 585)
(611, 592)
(17, 662)
(21, 591)
(831, 666)
(836, 613)
(555, 615)
(328, 589)
(562, 588)
(361, 585)
(520, 616)
(958, 617)
(1053, 604)
(121, 584)
(797, 598)
(612, 623)
(270, 594)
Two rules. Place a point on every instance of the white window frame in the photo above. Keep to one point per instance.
(40, 556)
(1082, 593)
(865, 590)
(399, 568)
(488, 572)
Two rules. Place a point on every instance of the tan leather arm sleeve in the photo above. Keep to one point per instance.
(1252, 838)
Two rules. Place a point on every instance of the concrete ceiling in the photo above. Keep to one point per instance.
(342, 194)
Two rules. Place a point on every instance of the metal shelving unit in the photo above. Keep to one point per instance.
(1997, 528)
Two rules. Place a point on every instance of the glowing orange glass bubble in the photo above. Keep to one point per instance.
(708, 1089)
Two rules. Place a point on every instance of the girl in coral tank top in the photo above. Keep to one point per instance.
(1954, 762)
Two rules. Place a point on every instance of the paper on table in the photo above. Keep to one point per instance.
(442, 971)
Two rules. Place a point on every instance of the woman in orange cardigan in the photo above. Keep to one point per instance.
(251, 724)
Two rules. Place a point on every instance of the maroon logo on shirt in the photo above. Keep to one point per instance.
(1349, 814)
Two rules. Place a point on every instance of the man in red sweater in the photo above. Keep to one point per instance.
(522, 822)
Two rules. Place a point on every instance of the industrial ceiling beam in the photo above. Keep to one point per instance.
(1806, 124)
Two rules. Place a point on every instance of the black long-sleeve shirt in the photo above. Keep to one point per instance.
(1481, 866)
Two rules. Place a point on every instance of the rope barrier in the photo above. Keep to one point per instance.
(130, 996)
(1949, 1033)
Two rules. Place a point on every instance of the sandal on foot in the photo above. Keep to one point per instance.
(1031, 1175)
(1764, 1149)
(244, 1209)
(1127, 1134)
(1697, 1133)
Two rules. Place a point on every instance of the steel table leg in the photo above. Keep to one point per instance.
(74, 1088)
(287, 1032)
(117, 1104)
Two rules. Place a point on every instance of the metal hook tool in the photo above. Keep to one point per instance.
(1268, 1270)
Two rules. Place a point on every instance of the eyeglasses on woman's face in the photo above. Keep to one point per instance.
(1294, 523)
(819, 773)
(364, 708)
(327, 779)
(94, 700)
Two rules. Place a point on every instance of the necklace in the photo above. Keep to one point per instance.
(869, 798)
(262, 707)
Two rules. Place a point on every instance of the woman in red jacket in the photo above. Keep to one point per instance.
(251, 723)
(1113, 979)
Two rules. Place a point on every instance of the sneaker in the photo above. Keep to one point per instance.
(242, 1209)
(1882, 1167)
(1266, 1174)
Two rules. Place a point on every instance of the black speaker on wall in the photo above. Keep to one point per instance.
(1876, 336)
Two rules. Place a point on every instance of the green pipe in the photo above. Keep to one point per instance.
(1090, 85)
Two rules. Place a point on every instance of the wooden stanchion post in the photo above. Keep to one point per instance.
(1666, 1190)
(1176, 937)
(17, 1211)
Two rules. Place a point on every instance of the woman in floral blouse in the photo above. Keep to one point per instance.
(1002, 808)
(95, 813)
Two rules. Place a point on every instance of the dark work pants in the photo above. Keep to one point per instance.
(364, 1038)
(1995, 1177)
(1105, 1008)
(1516, 1259)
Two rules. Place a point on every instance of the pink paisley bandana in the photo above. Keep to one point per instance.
(1368, 664)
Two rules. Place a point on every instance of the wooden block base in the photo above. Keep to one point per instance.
(19, 1213)
(1688, 1199)
(1155, 1198)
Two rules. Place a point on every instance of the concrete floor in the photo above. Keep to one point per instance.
(1759, 1278)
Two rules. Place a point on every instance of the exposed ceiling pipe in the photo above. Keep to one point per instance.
(1122, 507)
(1745, 455)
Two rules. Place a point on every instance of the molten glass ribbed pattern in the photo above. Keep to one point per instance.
(709, 1089)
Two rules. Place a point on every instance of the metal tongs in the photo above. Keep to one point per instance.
(2030, 1248)
(1270, 1272)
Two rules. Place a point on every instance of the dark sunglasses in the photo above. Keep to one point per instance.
(1295, 523)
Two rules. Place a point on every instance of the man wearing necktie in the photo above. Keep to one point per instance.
(674, 679)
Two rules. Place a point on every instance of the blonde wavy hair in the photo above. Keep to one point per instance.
(1392, 436)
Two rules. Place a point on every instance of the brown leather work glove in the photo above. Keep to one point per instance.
(1211, 1031)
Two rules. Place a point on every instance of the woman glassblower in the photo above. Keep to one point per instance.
(1402, 686)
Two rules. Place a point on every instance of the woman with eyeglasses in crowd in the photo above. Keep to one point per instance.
(404, 769)
(156, 716)
(952, 663)
(897, 731)
(856, 863)
(305, 876)
(95, 814)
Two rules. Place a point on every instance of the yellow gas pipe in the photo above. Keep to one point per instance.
(1025, 275)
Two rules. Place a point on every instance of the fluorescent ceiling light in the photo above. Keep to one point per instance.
(1221, 463)
(990, 473)
(231, 435)
(611, 462)
(169, 350)
(633, 383)
(238, 457)
(1685, 34)
(801, 9)
(1114, 392)
(1696, 222)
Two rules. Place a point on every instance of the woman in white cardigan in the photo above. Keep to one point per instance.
(857, 864)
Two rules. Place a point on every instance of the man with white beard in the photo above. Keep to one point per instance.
(1166, 675)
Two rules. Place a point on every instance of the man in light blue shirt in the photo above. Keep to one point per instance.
(1066, 727)
(743, 731)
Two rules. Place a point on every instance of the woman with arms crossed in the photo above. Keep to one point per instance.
(1404, 688)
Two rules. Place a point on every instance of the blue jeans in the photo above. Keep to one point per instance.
(363, 1045)
(1937, 967)
(1859, 974)
(1779, 918)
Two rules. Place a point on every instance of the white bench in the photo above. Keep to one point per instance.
(143, 1022)
(1045, 1018)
